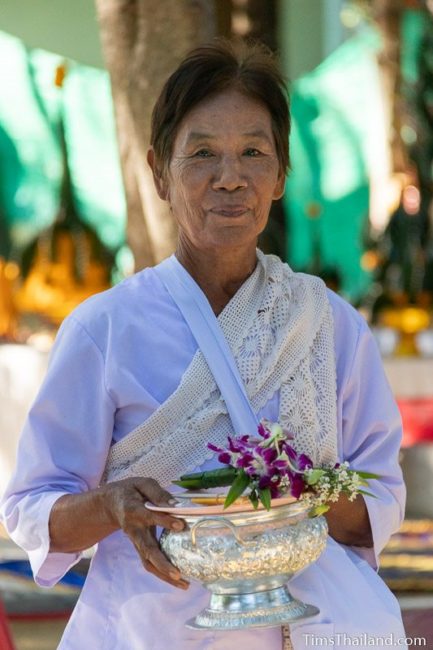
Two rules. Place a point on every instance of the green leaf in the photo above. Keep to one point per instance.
(188, 484)
(314, 476)
(368, 494)
(238, 487)
(212, 478)
(367, 474)
(254, 499)
(265, 497)
(318, 510)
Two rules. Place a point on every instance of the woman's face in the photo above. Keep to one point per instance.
(224, 172)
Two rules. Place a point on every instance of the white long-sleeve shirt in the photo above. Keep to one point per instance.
(118, 357)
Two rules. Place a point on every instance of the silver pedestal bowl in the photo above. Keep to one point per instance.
(245, 560)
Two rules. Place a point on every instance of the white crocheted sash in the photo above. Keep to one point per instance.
(279, 326)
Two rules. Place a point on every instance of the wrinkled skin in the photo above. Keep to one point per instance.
(78, 521)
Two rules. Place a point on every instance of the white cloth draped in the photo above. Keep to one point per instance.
(279, 327)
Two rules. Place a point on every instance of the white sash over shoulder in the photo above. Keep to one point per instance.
(205, 328)
(279, 328)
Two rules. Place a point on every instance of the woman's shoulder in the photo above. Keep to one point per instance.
(123, 303)
(352, 336)
(345, 315)
(348, 322)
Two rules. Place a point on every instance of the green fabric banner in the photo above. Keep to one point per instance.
(327, 196)
(31, 165)
(335, 113)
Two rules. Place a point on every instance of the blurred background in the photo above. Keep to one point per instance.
(78, 212)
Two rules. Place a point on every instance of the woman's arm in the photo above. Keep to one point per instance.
(53, 506)
(78, 521)
(371, 432)
(349, 523)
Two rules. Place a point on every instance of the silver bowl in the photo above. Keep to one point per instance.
(245, 560)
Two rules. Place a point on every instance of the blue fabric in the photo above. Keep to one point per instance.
(23, 568)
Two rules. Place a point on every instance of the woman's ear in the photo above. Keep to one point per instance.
(280, 186)
(158, 176)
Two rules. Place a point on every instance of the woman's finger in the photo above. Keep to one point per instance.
(180, 584)
(153, 492)
(148, 548)
(137, 515)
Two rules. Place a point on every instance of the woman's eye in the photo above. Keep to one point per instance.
(252, 152)
(203, 153)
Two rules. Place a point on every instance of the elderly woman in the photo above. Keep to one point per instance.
(129, 403)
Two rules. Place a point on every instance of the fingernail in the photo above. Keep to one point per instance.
(178, 525)
(174, 575)
(172, 502)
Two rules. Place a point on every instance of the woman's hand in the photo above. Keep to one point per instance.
(125, 502)
(78, 521)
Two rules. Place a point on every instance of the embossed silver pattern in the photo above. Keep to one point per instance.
(245, 560)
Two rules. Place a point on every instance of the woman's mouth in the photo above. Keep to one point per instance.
(230, 210)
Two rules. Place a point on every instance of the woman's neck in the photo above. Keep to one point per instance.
(218, 274)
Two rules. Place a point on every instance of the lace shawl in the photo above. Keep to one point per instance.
(279, 326)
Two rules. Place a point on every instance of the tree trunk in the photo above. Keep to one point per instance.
(143, 41)
(388, 16)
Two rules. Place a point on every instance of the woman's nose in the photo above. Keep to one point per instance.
(229, 175)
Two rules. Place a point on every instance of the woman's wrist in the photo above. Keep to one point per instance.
(78, 521)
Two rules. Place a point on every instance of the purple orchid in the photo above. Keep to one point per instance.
(297, 485)
(269, 461)
(263, 431)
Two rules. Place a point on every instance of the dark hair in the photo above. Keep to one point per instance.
(211, 69)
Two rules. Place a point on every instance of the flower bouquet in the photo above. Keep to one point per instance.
(268, 467)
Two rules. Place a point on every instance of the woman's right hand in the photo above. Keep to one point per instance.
(126, 504)
(78, 521)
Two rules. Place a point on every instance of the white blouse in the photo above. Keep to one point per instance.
(119, 356)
